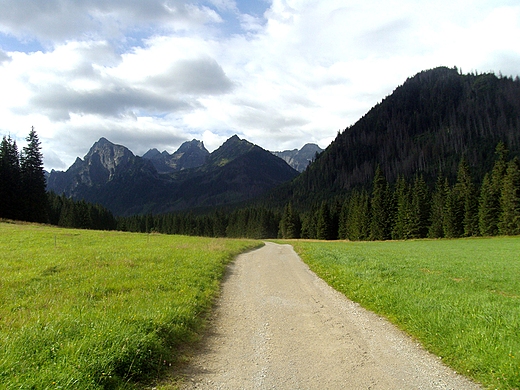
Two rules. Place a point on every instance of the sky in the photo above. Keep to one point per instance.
(279, 73)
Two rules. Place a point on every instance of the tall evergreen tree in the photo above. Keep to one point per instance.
(10, 180)
(33, 180)
(420, 209)
(290, 224)
(402, 196)
(461, 218)
(343, 220)
(437, 209)
(309, 221)
(453, 226)
(380, 207)
(489, 201)
(488, 209)
(509, 223)
(324, 229)
(359, 216)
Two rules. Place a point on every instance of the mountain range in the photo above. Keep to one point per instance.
(425, 126)
(126, 184)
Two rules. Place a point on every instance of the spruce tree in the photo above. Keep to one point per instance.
(461, 218)
(489, 201)
(420, 209)
(509, 223)
(324, 229)
(290, 224)
(402, 195)
(438, 206)
(343, 220)
(380, 207)
(453, 226)
(487, 208)
(10, 180)
(33, 180)
(359, 216)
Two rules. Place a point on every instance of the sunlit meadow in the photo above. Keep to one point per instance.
(92, 310)
(460, 298)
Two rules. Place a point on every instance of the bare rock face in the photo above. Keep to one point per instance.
(191, 154)
(111, 175)
(300, 159)
(105, 159)
(103, 163)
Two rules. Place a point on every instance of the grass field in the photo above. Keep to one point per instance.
(460, 298)
(101, 310)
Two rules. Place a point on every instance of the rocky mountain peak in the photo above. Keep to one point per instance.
(191, 154)
(299, 159)
(106, 158)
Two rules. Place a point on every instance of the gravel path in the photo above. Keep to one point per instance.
(278, 326)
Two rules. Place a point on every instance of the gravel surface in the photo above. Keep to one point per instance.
(278, 326)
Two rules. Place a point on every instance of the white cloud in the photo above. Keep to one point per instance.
(4, 57)
(64, 20)
(156, 73)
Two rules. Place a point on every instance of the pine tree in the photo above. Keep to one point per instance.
(489, 201)
(359, 217)
(402, 195)
(509, 223)
(453, 215)
(380, 207)
(10, 180)
(290, 224)
(343, 221)
(324, 223)
(308, 225)
(420, 209)
(487, 208)
(438, 206)
(461, 212)
(33, 180)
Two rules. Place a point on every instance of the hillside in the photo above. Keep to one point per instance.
(111, 175)
(424, 126)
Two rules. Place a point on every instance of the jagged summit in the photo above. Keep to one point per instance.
(191, 154)
(191, 177)
(300, 159)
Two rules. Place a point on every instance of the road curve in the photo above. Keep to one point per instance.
(278, 326)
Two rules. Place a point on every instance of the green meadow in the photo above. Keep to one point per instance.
(86, 309)
(459, 298)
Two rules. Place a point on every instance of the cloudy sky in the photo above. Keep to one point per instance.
(279, 73)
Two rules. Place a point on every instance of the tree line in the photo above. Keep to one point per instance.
(409, 209)
(402, 210)
(23, 194)
(22, 180)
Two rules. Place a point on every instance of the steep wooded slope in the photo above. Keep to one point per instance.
(424, 126)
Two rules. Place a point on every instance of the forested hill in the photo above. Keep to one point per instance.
(424, 127)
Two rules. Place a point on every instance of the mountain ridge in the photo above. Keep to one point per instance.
(300, 159)
(190, 154)
(126, 184)
(423, 127)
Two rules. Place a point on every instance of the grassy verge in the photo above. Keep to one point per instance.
(460, 298)
(101, 310)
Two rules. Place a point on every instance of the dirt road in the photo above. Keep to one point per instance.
(278, 326)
